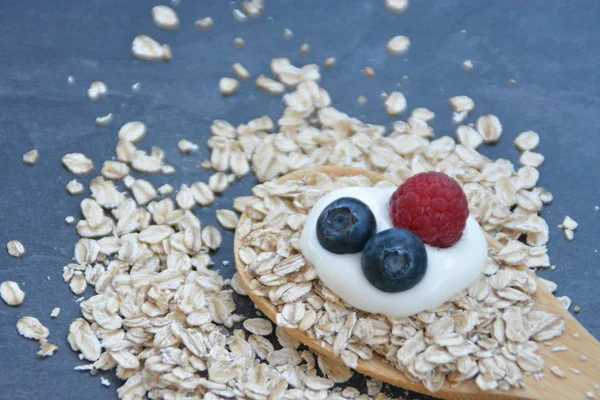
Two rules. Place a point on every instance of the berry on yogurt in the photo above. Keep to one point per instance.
(394, 260)
(433, 206)
(345, 226)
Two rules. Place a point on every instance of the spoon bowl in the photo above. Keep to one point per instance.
(581, 376)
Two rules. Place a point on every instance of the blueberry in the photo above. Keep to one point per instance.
(345, 226)
(394, 260)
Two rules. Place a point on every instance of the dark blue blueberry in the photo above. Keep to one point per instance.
(345, 226)
(394, 260)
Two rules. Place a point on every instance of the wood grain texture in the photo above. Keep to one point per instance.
(576, 338)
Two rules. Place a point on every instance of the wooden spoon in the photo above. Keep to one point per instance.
(578, 341)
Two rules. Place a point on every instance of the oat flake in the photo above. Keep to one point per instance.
(15, 249)
(11, 293)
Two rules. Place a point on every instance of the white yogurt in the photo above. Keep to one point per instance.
(449, 271)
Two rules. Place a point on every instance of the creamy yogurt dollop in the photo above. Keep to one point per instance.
(449, 271)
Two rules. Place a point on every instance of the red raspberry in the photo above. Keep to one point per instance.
(433, 206)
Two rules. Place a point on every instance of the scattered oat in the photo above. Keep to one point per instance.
(55, 312)
(133, 131)
(557, 371)
(329, 62)
(395, 104)
(46, 349)
(205, 24)
(362, 100)
(259, 326)
(512, 82)
(253, 8)
(583, 357)
(576, 335)
(468, 137)
(167, 170)
(228, 86)
(165, 189)
(569, 235)
(237, 285)
(202, 194)
(557, 349)
(165, 17)
(590, 395)
(528, 140)
(71, 80)
(467, 65)
(97, 90)
(186, 147)
(462, 103)
(15, 249)
(218, 183)
(288, 34)
(490, 128)
(293, 76)
(143, 191)
(145, 48)
(239, 43)
(421, 113)
(104, 381)
(75, 188)
(145, 163)
(569, 223)
(211, 237)
(78, 284)
(369, 72)
(374, 387)
(396, 6)
(31, 157)
(69, 220)
(11, 293)
(305, 49)
(227, 219)
(565, 301)
(270, 86)
(576, 309)
(82, 338)
(77, 163)
(575, 371)
(105, 120)
(128, 181)
(115, 170)
(136, 87)
(239, 16)
(241, 72)
(240, 203)
(531, 159)
(32, 328)
(398, 45)
(185, 198)
(462, 107)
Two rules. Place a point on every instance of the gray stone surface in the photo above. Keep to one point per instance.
(550, 48)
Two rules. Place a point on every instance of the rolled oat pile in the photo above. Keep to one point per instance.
(166, 321)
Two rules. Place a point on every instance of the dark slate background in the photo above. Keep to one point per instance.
(550, 48)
